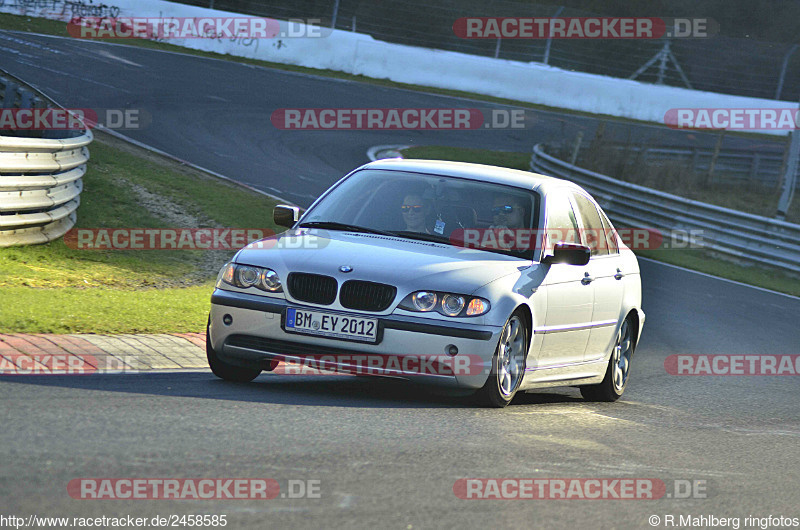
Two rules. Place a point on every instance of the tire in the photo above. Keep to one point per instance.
(508, 364)
(619, 366)
(226, 371)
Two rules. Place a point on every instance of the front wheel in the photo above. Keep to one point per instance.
(508, 365)
(226, 371)
(619, 367)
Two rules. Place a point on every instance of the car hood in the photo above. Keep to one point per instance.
(395, 261)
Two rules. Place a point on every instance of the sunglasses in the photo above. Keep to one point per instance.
(506, 209)
(416, 208)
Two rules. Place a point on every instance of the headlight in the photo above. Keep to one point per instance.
(424, 300)
(448, 304)
(246, 276)
(270, 280)
(452, 304)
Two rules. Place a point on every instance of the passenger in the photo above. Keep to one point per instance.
(508, 211)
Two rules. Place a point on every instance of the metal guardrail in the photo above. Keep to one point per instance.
(729, 167)
(40, 177)
(746, 237)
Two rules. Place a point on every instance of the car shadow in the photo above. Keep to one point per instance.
(321, 390)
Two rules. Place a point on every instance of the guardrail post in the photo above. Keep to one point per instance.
(25, 99)
(576, 147)
(695, 159)
(754, 165)
(10, 96)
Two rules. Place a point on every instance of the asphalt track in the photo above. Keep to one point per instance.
(388, 453)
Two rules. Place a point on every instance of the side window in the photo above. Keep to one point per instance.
(561, 222)
(611, 234)
(591, 226)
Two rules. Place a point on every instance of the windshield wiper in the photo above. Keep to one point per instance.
(434, 238)
(333, 225)
(422, 236)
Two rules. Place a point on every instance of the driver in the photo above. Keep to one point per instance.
(415, 213)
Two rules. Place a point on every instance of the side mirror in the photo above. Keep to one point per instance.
(569, 253)
(284, 215)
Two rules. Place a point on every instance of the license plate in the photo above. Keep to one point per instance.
(331, 325)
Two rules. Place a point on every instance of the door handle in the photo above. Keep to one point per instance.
(618, 275)
(587, 279)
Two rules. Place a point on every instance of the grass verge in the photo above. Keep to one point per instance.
(696, 259)
(53, 288)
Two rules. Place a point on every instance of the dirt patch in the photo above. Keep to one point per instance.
(206, 263)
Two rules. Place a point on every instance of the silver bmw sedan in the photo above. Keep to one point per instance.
(479, 278)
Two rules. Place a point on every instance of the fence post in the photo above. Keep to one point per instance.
(714, 157)
(789, 178)
(335, 13)
(783, 70)
(784, 163)
(547, 44)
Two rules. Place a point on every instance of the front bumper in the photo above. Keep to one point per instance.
(256, 336)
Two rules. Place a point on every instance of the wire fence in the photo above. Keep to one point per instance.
(728, 65)
(726, 171)
(741, 236)
(729, 167)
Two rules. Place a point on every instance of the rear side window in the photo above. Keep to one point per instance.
(561, 222)
(592, 228)
(611, 235)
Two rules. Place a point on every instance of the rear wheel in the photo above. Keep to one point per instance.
(226, 371)
(619, 366)
(508, 365)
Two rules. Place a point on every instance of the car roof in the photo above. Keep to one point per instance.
(498, 175)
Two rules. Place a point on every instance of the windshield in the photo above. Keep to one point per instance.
(454, 211)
